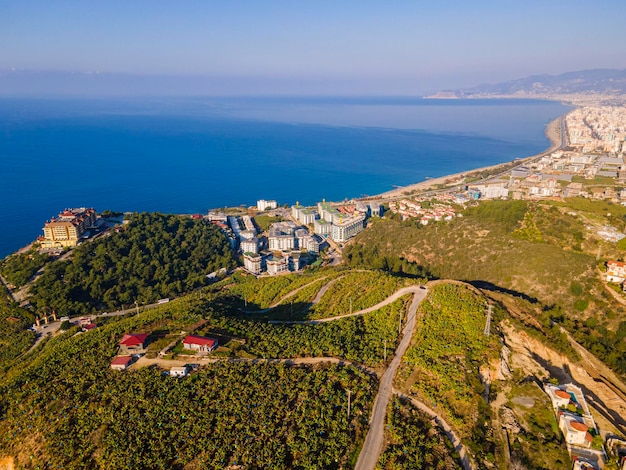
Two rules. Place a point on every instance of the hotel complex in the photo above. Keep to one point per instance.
(68, 228)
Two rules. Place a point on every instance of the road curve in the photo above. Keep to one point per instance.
(389, 300)
(373, 445)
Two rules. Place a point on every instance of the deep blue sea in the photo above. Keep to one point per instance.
(190, 155)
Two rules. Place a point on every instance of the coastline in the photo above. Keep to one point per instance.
(552, 132)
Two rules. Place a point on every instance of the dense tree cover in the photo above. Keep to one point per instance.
(362, 339)
(19, 268)
(15, 339)
(448, 350)
(504, 214)
(413, 440)
(66, 409)
(155, 256)
(358, 255)
(609, 345)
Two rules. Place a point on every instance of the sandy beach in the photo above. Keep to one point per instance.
(553, 133)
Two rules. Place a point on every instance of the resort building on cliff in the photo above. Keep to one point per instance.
(68, 228)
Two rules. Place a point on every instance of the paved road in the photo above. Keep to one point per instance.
(373, 445)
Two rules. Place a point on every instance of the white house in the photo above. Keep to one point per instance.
(615, 271)
(178, 371)
(200, 343)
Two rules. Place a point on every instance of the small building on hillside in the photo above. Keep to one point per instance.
(178, 371)
(201, 344)
(134, 342)
(121, 362)
(615, 271)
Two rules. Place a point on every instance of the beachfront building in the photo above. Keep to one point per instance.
(253, 263)
(304, 215)
(348, 228)
(68, 228)
(264, 205)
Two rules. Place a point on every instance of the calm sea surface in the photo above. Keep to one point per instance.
(189, 155)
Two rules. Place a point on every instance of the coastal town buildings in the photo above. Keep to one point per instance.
(263, 205)
(427, 211)
(253, 263)
(348, 228)
(68, 227)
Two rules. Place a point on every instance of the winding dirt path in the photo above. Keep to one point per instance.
(294, 292)
(444, 426)
(389, 300)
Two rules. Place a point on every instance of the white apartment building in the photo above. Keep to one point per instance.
(252, 263)
(250, 245)
(264, 205)
(277, 265)
(347, 229)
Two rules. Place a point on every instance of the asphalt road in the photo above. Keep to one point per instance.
(373, 445)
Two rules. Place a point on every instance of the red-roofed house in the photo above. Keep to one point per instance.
(121, 362)
(575, 431)
(615, 271)
(200, 343)
(134, 342)
(89, 326)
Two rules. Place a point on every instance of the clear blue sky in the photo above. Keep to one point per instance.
(391, 47)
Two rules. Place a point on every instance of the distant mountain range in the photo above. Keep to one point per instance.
(596, 81)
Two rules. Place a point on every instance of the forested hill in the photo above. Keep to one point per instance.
(155, 256)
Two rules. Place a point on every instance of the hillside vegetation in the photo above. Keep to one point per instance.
(544, 252)
(441, 366)
(155, 256)
(63, 408)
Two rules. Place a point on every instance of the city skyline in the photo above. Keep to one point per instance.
(299, 48)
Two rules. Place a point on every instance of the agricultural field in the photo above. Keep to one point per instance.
(413, 441)
(441, 368)
(67, 409)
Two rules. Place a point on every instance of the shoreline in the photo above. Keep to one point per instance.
(552, 132)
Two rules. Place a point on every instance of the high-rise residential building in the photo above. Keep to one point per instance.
(264, 205)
